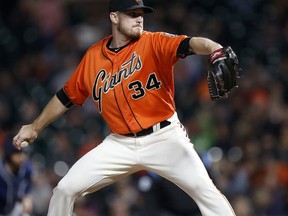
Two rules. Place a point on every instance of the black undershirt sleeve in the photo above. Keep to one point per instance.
(64, 99)
(183, 49)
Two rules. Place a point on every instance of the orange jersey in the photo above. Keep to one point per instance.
(133, 88)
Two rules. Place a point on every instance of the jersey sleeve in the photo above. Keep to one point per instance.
(167, 45)
(75, 88)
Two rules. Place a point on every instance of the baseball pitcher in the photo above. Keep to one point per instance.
(129, 76)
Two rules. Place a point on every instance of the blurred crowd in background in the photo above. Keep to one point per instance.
(242, 140)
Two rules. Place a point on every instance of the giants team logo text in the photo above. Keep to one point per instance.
(104, 82)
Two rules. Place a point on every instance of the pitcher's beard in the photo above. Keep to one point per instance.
(133, 33)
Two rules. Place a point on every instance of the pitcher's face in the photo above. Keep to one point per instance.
(130, 23)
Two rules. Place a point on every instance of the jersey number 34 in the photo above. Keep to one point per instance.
(140, 89)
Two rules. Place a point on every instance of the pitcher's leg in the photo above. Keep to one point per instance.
(98, 168)
(194, 180)
(171, 155)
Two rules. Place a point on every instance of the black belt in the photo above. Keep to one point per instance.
(149, 130)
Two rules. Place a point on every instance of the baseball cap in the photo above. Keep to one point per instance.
(125, 5)
(9, 148)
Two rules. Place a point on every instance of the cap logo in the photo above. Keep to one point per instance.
(137, 1)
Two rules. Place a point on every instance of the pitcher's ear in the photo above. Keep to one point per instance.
(114, 17)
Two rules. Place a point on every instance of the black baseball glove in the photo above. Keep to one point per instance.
(223, 73)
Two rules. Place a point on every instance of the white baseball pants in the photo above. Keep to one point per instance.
(167, 152)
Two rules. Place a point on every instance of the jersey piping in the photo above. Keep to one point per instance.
(115, 96)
